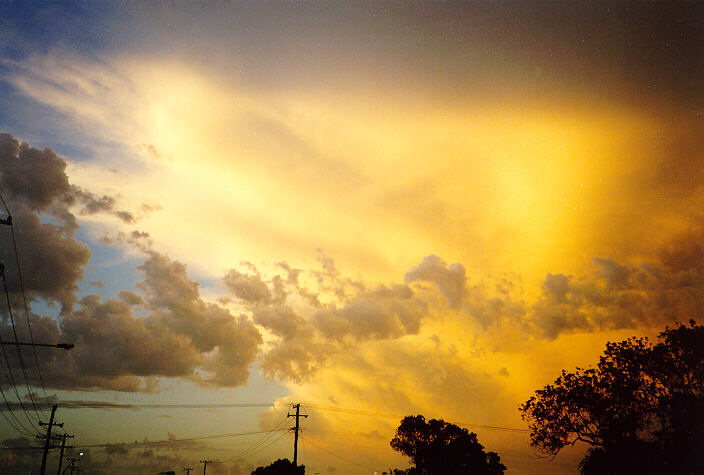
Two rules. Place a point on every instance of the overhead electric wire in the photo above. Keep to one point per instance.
(170, 441)
(251, 449)
(344, 410)
(256, 449)
(19, 349)
(26, 308)
(339, 456)
(363, 412)
(19, 427)
(24, 296)
(110, 405)
(11, 380)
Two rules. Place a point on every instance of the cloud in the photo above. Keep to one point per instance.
(180, 335)
(667, 286)
(310, 322)
(249, 288)
(51, 258)
(450, 280)
(382, 313)
(281, 320)
(36, 187)
(115, 349)
(35, 177)
(173, 300)
(99, 204)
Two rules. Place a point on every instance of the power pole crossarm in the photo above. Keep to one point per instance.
(296, 430)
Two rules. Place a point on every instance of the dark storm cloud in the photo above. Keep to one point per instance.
(281, 320)
(173, 299)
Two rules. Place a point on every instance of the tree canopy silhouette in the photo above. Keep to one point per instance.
(641, 409)
(437, 447)
(281, 467)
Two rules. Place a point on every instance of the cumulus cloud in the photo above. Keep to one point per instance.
(35, 186)
(450, 280)
(309, 317)
(173, 299)
(281, 320)
(51, 258)
(181, 336)
(312, 321)
(249, 288)
(35, 177)
(385, 312)
(668, 286)
(92, 204)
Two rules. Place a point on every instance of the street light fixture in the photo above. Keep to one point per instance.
(63, 346)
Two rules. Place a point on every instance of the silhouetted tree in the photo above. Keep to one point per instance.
(281, 467)
(641, 409)
(440, 448)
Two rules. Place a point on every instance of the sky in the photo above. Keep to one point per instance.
(375, 209)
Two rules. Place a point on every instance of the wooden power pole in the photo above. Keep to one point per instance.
(296, 430)
(61, 456)
(47, 443)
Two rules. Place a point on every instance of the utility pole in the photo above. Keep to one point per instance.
(73, 465)
(296, 430)
(48, 438)
(61, 456)
(205, 464)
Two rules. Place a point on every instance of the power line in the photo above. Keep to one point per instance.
(24, 300)
(8, 221)
(147, 443)
(19, 350)
(309, 439)
(363, 412)
(258, 444)
(344, 410)
(11, 380)
(110, 405)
